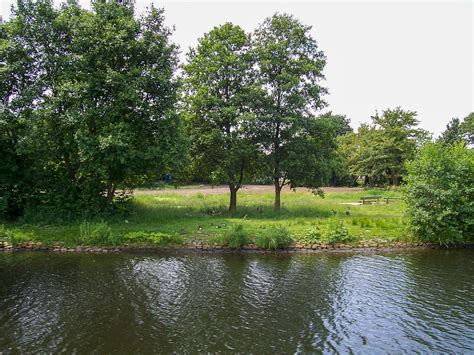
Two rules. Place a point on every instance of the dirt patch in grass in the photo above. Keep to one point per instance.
(224, 189)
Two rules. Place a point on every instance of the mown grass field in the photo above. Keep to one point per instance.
(204, 217)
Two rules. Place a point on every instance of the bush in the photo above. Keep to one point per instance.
(338, 234)
(157, 238)
(274, 238)
(96, 234)
(363, 222)
(439, 193)
(236, 238)
(14, 237)
(312, 236)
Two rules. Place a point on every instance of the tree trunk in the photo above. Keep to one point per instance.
(277, 196)
(395, 180)
(233, 198)
(110, 193)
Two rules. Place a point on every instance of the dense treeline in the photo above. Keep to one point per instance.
(93, 105)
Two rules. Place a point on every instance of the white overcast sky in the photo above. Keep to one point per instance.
(417, 55)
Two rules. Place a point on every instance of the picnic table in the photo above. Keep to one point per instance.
(369, 199)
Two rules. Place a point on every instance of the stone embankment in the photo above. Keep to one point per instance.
(370, 245)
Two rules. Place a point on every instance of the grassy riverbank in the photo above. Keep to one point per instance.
(174, 217)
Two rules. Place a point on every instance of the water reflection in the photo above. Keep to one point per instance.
(418, 301)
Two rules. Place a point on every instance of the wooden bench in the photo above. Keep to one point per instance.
(370, 199)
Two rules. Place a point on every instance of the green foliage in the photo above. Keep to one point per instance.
(88, 108)
(13, 236)
(289, 67)
(364, 222)
(311, 236)
(377, 152)
(218, 81)
(459, 131)
(440, 193)
(468, 129)
(453, 133)
(236, 238)
(96, 234)
(338, 234)
(337, 168)
(156, 238)
(274, 238)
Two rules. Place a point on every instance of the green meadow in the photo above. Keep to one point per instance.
(187, 218)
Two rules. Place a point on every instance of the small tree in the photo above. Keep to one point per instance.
(440, 193)
(289, 67)
(218, 81)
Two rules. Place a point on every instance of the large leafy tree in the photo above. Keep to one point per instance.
(122, 97)
(289, 66)
(23, 80)
(378, 151)
(219, 79)
(364, 159)
(101, 116)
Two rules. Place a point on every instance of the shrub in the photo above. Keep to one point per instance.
(312, 236)
(14, 237)
(439, 193)
(96, 234)
(338, 234)
(364, 222)
(274, 238)
(158, 238)
(236, 238)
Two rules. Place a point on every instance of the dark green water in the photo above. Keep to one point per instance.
(375, 303)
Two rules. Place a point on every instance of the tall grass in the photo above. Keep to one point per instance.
(237, 237)
(274, 238)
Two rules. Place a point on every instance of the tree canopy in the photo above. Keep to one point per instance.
(289, 70)
(459, 131)
(376, 153)
(218, 82)
(88, 103)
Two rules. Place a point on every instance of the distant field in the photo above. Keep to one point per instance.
(200, 214)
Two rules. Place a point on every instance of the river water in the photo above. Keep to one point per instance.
(420, 301)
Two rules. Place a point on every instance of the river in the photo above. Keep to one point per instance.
(411, 301)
